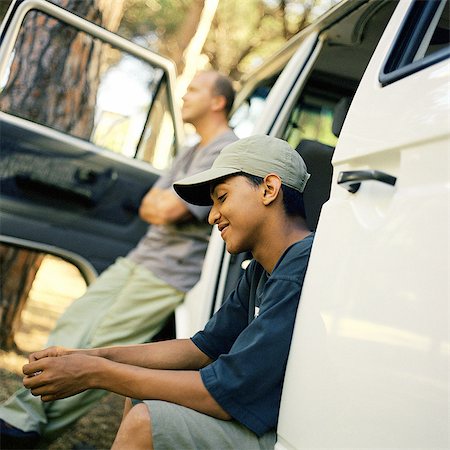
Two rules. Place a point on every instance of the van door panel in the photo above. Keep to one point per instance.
(70, 186)
(369, 361)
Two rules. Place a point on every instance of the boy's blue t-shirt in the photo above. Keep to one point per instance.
(249, 340)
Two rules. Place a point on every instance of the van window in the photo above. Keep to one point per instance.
(156, 144)
(334, 76)
(309, 121)
(246, 115)
(72, 82)
(422, 41)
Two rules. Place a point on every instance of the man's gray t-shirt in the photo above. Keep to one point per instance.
(174, 253)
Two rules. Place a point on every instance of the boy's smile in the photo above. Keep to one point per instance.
(222, 227)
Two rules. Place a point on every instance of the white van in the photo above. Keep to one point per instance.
(369, 365)
(364, 95)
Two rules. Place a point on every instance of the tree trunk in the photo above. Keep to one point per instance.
(18, 269)
(174, 48)
(193, 49)
(42, 89)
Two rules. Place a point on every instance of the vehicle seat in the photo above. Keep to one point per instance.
(339, 114)
(317, 157)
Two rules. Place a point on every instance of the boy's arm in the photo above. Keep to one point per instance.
(65, 376)
(172, 354)
(53, 378)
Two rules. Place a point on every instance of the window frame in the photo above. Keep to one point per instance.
(408, 41)
(11, 25)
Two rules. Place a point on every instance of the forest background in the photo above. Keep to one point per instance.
(232, 36)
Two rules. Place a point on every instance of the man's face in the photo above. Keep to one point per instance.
(238, 212)
(198, 98)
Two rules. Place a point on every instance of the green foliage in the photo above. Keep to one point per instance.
(159, 17)
(4, 5)
(244, 33)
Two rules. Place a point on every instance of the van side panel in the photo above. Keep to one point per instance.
(369, 362)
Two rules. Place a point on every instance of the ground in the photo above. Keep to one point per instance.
(57, 284)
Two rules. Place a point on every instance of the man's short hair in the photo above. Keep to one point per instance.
(292, 199)
(224, 86)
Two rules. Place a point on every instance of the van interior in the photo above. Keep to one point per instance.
(321, 102)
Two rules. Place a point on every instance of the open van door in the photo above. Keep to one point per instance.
(87, 124)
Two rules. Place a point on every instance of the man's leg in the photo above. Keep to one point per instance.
(126, 305)
(138, 312)
(135, 430)
(26, 412)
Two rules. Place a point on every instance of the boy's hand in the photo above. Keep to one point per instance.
(53, 378)
(49, 352)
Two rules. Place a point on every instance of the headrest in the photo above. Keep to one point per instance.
(317, 157)
(340, 112)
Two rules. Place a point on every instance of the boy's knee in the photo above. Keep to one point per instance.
(135, 430)
(139, 417)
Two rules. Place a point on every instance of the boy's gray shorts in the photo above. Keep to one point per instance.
(175, 427)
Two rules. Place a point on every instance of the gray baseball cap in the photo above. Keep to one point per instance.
(256, 155)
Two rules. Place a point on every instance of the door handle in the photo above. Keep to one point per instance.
(352, 179)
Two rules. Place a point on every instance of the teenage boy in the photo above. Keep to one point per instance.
(222, 388)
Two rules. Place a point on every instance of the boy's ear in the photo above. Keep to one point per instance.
(271, 187)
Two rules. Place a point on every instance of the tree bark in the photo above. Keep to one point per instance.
(18, 269)
(42, 89)
(174, 48)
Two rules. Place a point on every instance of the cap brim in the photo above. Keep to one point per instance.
(196, 188)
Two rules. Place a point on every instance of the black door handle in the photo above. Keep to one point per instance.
(352, 179)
